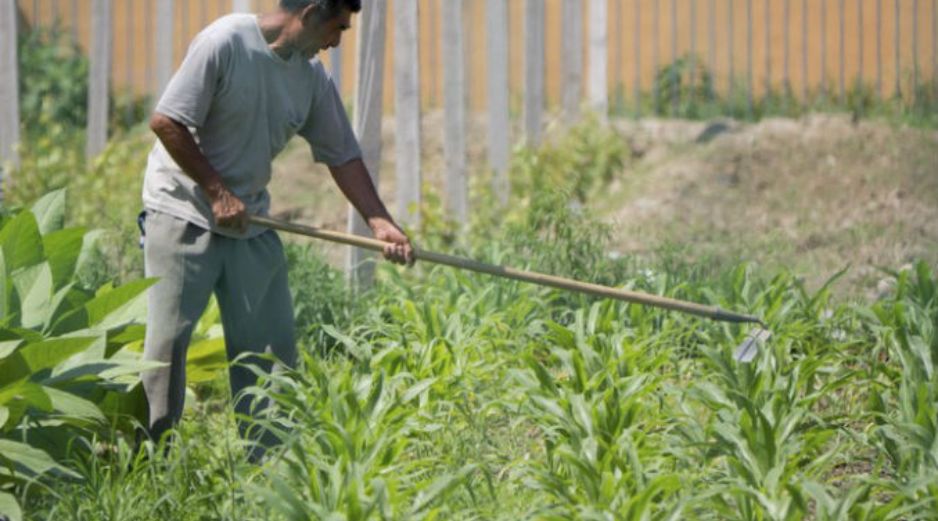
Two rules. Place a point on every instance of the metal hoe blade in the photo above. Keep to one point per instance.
(748, 350)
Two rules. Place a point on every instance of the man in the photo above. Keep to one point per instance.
(243, 90)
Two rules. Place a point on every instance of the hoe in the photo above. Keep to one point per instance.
(746, 351)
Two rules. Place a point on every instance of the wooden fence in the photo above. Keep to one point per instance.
(502, 56)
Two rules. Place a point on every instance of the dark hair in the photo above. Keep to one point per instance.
(329, 7)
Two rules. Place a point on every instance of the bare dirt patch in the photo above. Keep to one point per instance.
(811, 195)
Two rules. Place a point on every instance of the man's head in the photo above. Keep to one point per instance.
(319, 23)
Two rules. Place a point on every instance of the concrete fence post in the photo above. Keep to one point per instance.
(454, 110)
(407, 110)
(99, 77)
(598, 49)
(9, 93)
(498, 92)
(533, 70)
(369, 90)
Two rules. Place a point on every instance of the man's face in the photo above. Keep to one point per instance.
(318, 33)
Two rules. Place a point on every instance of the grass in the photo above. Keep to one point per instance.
(445, 395)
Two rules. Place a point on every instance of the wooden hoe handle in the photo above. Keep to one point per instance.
(635, 297)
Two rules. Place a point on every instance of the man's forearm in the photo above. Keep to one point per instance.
(353, 180)
(181, 145)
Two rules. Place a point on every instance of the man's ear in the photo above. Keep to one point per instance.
(310, 14)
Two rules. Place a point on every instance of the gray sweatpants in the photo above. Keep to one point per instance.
(249, 279)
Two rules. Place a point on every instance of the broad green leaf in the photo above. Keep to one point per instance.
(89, 246)
(50, 211)
(29, 460)
(62, 249)
(48, 354)
(73, 405)
(21, 242)
(34, 287)
(110, 308)
(119, 305)
(8, 346)
(205, 359)
(9, 507)
(4, 289)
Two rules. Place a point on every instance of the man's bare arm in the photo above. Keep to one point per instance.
(353, 180)
(228, 210)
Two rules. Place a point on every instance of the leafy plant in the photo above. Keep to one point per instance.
(63, 366)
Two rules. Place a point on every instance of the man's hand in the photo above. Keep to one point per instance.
(399, 251)
(228, 210)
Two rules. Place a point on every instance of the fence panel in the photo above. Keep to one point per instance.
(9, 92)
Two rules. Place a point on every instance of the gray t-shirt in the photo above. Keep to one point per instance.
(243, 103)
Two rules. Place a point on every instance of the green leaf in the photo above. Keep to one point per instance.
(4, 416)
(29, 460)
(50, 211)
(62, 249)
(88, 247)
(440, 487)
(7, 347)
(205, 359)
(34, 287)
(119, 305)
(21, 242)
(35, 357)
(4, 289)
(9, 507)
(73, 405)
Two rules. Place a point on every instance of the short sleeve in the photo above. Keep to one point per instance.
(189, 94)
(327, 128)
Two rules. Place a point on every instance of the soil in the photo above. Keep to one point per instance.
(811, 195)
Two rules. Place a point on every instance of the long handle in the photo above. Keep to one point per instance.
(711, 312)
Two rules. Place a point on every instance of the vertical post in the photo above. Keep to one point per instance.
(749, 56)
(768, 46)
(9, 93)
(914, 49)
(407, 110)
(843, 70)
(241, 6)
(638, 59)
(367, 121)
(712, 47)
(618, 81)
(99, 77)
(898, 53)
(693, 52)
(163, 46)
(860, 41)
(533, 70)
(804, 51)
(498, 91)
(74, 21)
(824, 49)
(655, 61)
(729, 47)
(598, 93)
(787, 72)
(676, 95)
(454, 111)
(571, 57)
(129, 62)
(879, 48)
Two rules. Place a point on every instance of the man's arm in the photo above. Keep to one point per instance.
(354, 181)
(228, 210)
